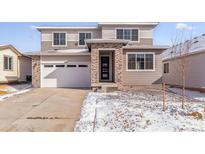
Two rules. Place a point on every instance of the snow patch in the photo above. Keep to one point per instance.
(15, 90)
(137, 111)
(189, 93)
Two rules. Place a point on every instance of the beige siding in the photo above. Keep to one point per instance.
(25, 68)
(47, 45)
(72, 38)
(145, 33)
(7, 76)
(195, 71)
(143, 77)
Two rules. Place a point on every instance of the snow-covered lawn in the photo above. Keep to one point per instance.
(14, 89)
(138, 111)
(189, 93)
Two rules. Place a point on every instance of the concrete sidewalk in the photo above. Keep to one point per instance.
(44, 109)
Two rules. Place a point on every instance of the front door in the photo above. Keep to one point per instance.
(105, 68)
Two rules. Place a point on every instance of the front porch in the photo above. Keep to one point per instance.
(106, 66)
(106, 75)
(104, 86)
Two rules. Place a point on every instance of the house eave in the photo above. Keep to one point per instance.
(145, 47)
(71, 52)
(128, 23)
(39, 28)
(106, 41)
(184, 55)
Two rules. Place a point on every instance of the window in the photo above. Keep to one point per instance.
(8, 63)
(131, 62)
(60, 65)
(71, 65)
(166, 67)
(59, 39)
(83, 36)
(128, 34)
(82, 65)
(140, 61)
(48, 65)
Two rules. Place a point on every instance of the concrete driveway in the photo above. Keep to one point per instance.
(44, 109)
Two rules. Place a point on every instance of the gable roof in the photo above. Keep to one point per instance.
(11, 47)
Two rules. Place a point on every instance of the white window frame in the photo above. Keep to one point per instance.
(66, 39)
(12, 63)
(137, 70)
(131, 33)
(79, 37)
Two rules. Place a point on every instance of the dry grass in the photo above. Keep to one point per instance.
(3, 92)
(3, 86)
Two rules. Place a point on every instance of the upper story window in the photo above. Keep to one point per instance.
(140, 61)
(83, 36)
(128, 34)
(59, 39)
(8, 63)
(166, 67)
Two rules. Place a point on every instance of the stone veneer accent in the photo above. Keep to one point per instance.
(118, 61)
(119, 68)
(36, 71)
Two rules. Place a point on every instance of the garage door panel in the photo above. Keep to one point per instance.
(66, 76)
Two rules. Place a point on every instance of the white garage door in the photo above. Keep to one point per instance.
(74, 74)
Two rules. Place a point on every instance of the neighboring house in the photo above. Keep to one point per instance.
(120, 54)
(14, 66)
(194, 65)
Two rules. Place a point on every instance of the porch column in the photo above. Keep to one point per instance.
(36, 71)
(94, 66)
(119, 67)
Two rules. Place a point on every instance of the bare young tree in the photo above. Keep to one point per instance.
(164, 95)
(180, 50)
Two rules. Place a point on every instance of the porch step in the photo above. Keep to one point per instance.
(105, 87)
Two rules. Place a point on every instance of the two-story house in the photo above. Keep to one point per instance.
(122, 54)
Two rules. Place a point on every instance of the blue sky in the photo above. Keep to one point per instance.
(26, 38)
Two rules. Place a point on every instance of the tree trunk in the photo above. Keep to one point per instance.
(183, 86)
(164, 95)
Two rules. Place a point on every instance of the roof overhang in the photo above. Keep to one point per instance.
(106, 41)
(99, 41)
(146, 47)
(74, 52)
(184, 55)
(39, 28)
(128, 23)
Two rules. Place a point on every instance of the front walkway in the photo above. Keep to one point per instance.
(45, 109)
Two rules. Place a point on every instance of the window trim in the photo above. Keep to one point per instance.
(136, 70)
(66, 38)
(131, 33)
(79, 36)
(12, 63)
